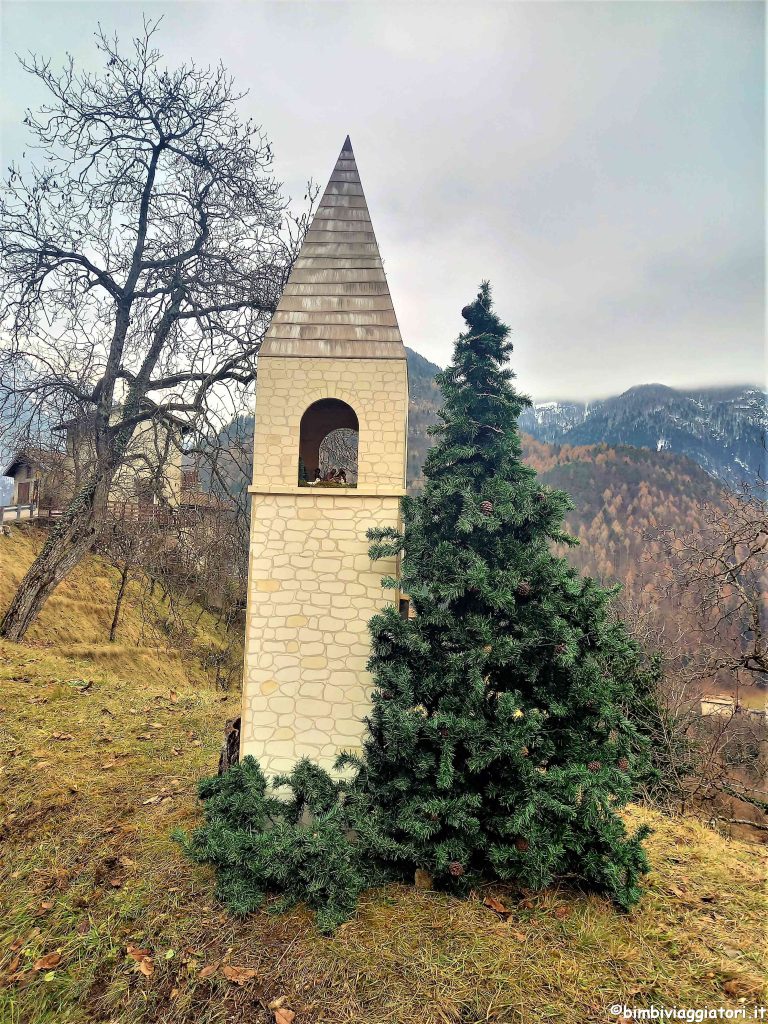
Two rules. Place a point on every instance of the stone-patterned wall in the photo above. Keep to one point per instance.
(312, 587)
(312, 590)
(377, 389)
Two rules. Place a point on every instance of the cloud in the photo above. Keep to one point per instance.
(601, 163)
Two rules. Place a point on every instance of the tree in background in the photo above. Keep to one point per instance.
(501, 740)
(140, 261)
(716, 579)
(721, 571)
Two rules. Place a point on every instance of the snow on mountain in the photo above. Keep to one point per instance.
(723, 429)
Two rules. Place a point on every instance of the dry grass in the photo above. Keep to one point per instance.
(87, 869)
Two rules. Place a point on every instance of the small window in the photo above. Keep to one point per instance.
(328, 445)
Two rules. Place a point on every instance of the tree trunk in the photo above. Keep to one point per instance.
(67, 545)
(124, 573)
(230, 748)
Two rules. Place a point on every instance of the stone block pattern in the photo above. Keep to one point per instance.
(312, 590)
(377, 389)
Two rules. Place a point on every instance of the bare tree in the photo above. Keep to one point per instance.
(721, 573)
(711, 755)
(140, 260)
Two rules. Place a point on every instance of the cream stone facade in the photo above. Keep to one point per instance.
(334, 345)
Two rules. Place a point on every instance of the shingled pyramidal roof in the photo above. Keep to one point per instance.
(337, 300)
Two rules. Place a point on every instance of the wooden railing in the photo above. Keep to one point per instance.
(122, 511)
(22, 513)
(135, 512)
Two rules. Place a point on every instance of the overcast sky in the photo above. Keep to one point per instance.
(601, 163)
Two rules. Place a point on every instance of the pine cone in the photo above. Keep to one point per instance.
(386, 694)
(456, 868)
(486, 507)
(623, 763)
(444, 731)
(594, 766)
(466, 312)
(523, 589)
(561, 649)
(522, 845)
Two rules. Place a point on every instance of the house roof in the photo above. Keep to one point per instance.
(337, 302)
(183, 426)
(39, 458)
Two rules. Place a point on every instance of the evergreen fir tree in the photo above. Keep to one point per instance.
(503, 736)
(500, 742)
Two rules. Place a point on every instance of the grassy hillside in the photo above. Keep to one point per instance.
(101, 920)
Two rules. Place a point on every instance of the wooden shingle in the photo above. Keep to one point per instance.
(337, 302)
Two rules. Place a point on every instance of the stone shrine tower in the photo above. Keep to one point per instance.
(328, 464)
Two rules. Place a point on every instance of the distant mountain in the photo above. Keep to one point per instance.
(622, 497)
(722, 429)
(424, 401)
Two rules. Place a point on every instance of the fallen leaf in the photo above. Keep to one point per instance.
(13, 966)
(744, 987)
(209, 969)
(17, 943)
(284, 1016)
(137, 953)
(127, 862)
(562, 912)
(174, 993)
(497, 907)
(62, 736)
(173, 697)
(21, 977)
(519, 936)
(144, 736)
(43, 909)
(238, 975)
(145, 966)
(276, 1003)
(116, 883)
(45, 963)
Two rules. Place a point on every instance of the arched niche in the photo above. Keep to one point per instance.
(328, 437)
